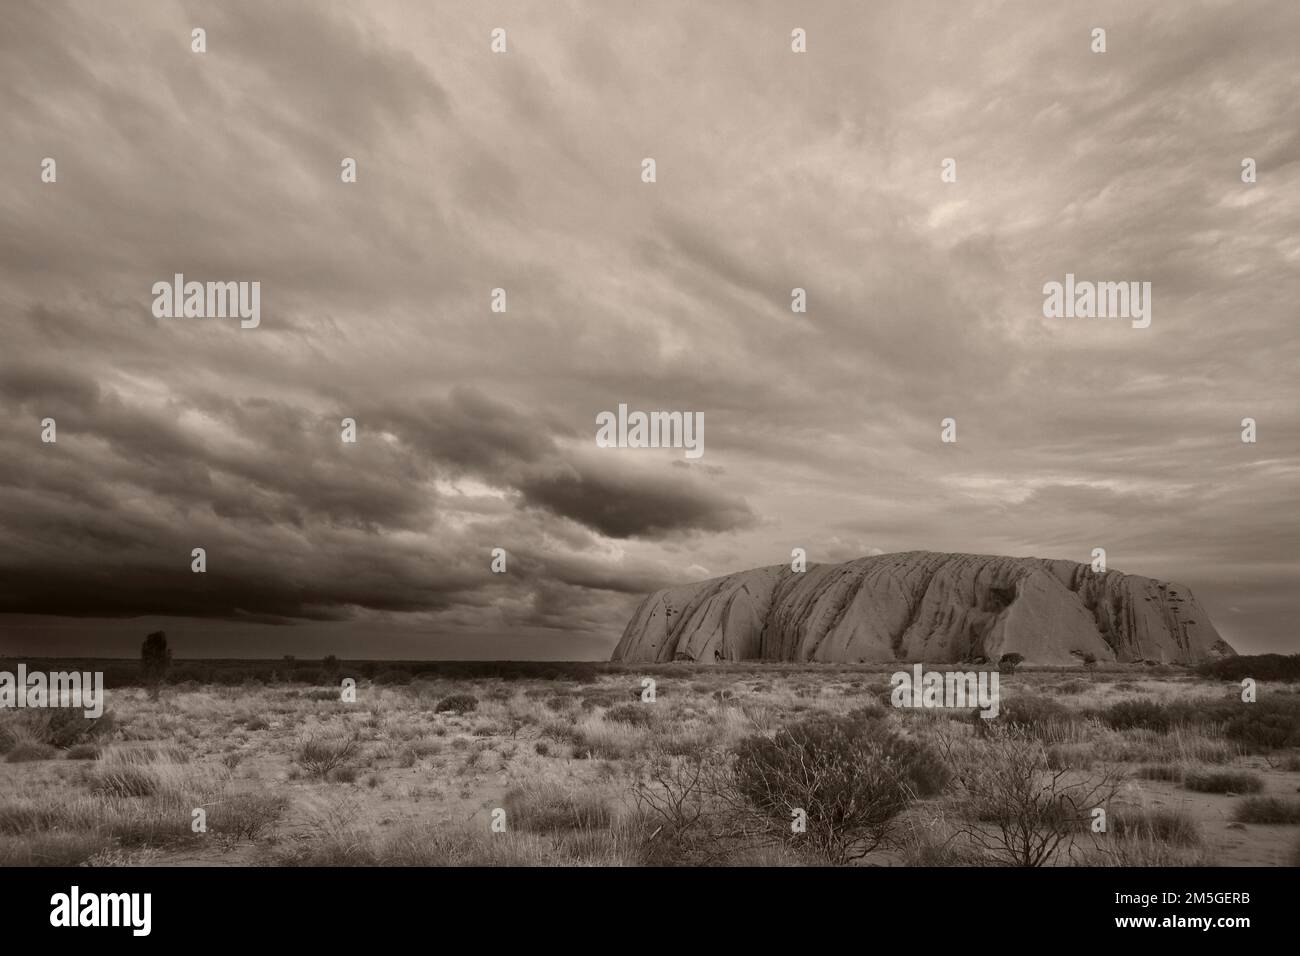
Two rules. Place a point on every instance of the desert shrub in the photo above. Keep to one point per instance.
(550, 809)
(319, 755)
(60, 727)
(921, 847)
(1268, 724)
(1160, 771)
(1147, 714)
(26, 751)
(1287, 762)
(1040, 717)
(457, 704)
(684, 809)
(922, 768)
(83, 752)
(850, 780)
(1223, 781)
(19, 817)
(245, 816)
(1267, 810)
(52, 849)
(1072, 687)
(1019, 812)
(1008, 663)
(603, 698)
(1285, 667)
(189, 675)
(126, 780)
(637, 715)
(869, 711)
(542, 748)
(1162, 826)
(344, 774)
(1069, 757)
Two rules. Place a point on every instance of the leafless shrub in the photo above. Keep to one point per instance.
(319, 755)
(1018, 810)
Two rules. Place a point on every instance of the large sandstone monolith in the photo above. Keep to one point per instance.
(923, 606)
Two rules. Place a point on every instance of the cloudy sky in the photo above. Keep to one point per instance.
(522, 171)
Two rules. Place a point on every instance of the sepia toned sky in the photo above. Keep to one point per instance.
(521, 171)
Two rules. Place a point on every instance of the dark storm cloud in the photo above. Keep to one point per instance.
(475, 428)
(295, 524)
(627, 504)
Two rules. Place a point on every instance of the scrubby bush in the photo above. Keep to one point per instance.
(637, 715)
(1268, 724)
(245, 816)
(1029, 713)
(1019, 812)
(1146, 714)
(550, 809)
(870, 711)
(924, 771)
(1284, 667)
(457, 704)
(125, 779)
(59, 727)
(1162, 826)
(26, 751)
(851, 781)
(1008, 663)
(1160, 771)
(1223, 781)
(319, 755)
(1267, 810)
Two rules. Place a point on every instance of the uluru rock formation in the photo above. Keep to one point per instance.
(923, 606)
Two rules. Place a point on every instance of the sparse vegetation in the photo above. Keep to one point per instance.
(1171, 827)
(1223, 781)
(588, 773)
(1267, 810)
(457, 704)
(320, 755)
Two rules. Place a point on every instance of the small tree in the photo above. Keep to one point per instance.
(155, 658)
(330, 666)
(1008, 663)
(1090, 663)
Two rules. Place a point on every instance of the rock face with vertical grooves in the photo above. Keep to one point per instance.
(923, 606)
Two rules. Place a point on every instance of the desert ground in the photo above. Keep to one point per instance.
(581, 768)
